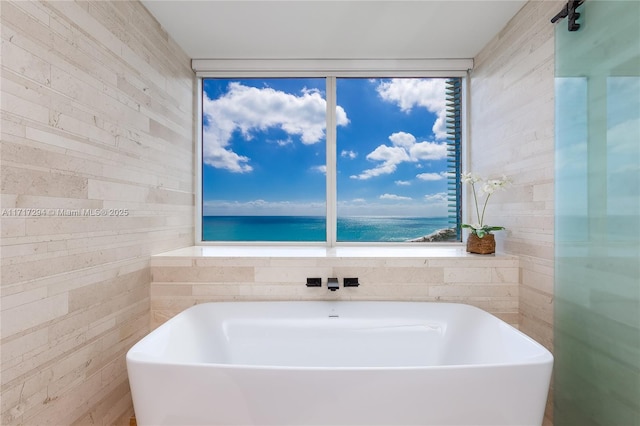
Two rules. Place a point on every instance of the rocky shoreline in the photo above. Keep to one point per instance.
(445, 234)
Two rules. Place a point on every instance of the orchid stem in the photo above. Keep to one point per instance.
(484, 208)
(475, 198)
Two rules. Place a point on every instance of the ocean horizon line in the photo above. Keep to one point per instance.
(322, 216)
(313, 228)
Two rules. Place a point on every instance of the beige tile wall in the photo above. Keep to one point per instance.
(489, 282)
(512, 132)
(97, 113)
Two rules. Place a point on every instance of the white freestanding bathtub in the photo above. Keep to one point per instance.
(338, 363)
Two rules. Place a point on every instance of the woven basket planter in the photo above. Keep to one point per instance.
(484, 245)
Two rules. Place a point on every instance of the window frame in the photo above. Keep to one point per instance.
(330, 70)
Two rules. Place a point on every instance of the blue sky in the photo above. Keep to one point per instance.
(264, 144)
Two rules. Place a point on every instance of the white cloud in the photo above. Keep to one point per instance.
(322, 169)
(393, 197)
(408, 93)
(428, 151)
(383, 169)
(348, 154)
(221, 158)
(264, 208)
(283, 142)
(250, 109)
(404, 149)
(388, 207)
(440, 197)
(432, 176)
(402, 183)
(389, 154)
(403, 139)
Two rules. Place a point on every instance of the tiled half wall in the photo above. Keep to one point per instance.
(185, 277)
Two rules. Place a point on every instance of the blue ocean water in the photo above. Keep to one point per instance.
(312, 228)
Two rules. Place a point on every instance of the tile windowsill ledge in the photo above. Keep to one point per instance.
(289, 251)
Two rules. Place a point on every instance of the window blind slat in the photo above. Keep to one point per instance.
(453, 122)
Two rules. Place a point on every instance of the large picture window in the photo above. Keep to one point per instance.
(358, 160)
(263, 160)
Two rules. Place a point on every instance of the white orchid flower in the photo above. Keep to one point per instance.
(488, 187)
(469, 178)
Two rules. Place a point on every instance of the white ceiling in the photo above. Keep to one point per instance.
(332, 29)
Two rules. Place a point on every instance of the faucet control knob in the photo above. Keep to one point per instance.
(350, 282)
(314, 282)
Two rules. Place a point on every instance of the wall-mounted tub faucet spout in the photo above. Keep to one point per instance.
(332, 284)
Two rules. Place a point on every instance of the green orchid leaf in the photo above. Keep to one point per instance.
(481, 232)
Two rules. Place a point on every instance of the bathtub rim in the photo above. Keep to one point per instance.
(135, 356)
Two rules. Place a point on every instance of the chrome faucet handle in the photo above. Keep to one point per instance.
(332, 284)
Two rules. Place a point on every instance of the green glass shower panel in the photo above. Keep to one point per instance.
(571, 156)
(597, 240)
